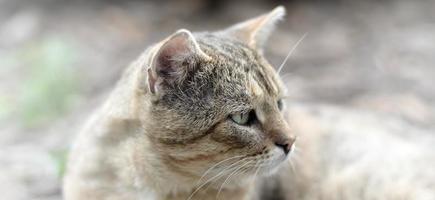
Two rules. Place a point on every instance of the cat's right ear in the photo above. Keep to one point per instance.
(172, 58)
(255, 32)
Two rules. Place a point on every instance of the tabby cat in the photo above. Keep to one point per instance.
(197, 116)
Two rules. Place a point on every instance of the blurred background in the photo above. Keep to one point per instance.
(60, 58)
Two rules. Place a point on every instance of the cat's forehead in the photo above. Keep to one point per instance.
(242, 62)
(226, 48)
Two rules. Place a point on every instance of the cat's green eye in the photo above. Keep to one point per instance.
(243, 118)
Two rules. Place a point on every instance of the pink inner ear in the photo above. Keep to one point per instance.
(172, 54)
(171, 60)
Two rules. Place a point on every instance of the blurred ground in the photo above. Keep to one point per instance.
(58, 60)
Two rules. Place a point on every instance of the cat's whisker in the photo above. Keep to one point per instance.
(297, 150)
(291, 52)
(296, 156)
(292, 165)
(214, 177)
(287, 78)
(227, 169)
(257, 166)
(266, 162)
(229, 176)
(215, 165)
(248, 168)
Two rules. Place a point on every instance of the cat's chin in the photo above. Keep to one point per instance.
(277, 159)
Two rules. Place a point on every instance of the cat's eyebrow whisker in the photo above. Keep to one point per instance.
(291, 51)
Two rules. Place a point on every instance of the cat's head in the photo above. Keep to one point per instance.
(215, 99)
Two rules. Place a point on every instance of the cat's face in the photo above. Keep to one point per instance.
(216, 106)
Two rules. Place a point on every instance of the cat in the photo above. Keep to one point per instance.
(196, 116)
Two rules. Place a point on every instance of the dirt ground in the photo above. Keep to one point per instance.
(59, 59)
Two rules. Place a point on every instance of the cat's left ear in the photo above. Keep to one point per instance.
(255, 32)
(172, 59)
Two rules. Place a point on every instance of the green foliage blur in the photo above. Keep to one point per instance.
(50, 82)
(60, 159)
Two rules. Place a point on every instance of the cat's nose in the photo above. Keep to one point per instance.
(286, 144)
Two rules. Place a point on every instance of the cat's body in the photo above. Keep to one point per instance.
(188, 103)
(347, 153)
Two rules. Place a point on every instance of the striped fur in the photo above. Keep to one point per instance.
(160, 132)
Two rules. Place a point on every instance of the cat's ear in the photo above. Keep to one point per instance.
(172, 58)
(255, 32)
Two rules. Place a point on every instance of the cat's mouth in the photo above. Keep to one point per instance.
(251, 167)
(237, 170)
(272, 161)
(264, 163)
